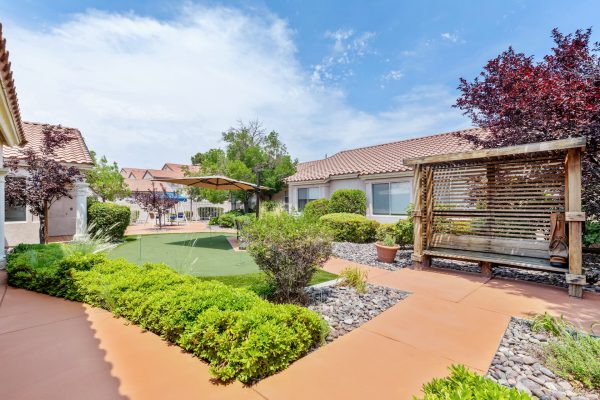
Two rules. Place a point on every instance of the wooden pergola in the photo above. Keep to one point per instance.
(493, 206)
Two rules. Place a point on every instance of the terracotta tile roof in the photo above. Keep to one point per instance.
(142, 185)
(138, 173)
(180, 167)
(382, 158)
(161, 173)
(8, 83)
(75, 151)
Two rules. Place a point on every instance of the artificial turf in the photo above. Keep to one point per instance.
(207, 255)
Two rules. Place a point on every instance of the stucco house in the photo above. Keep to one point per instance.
(11, 127)
(377, 170)
(67, 217)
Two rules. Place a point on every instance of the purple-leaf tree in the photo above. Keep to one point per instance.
(520, 100)
(154, 200)
(45, 180)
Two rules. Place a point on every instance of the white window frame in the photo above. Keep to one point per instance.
(389, 214)
(308, 200)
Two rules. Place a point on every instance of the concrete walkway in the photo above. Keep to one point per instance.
(55, 349)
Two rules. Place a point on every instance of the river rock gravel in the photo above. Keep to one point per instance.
(345, 309)
(365, 253)
(519, 363)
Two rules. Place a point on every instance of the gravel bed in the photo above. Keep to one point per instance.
(345, 309)
(367, 254)
(518, 363)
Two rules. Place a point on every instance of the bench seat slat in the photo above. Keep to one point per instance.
(495, 258)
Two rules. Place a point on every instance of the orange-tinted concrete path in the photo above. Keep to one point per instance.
(55, 349)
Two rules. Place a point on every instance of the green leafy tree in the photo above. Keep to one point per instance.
(106, 180)
(249, 148)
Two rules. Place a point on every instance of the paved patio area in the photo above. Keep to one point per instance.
(55, 349)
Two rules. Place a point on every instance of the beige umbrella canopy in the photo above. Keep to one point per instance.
(215, 182)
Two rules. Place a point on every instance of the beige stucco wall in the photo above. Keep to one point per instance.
(363, 183)
(61, 222)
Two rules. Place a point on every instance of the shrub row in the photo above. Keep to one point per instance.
(108, 220)
(347, 227)
(241, 336)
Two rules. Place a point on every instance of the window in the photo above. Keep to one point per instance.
(15, 214)
(307, 194)
(391, 198)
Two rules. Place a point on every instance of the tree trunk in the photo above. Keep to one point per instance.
(43, 231)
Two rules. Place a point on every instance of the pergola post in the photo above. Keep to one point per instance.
(575, 218)
(419, 259)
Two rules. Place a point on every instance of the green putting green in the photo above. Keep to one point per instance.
(200, 254)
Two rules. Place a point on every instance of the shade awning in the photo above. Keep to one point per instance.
(215, 182)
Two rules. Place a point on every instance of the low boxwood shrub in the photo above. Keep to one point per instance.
(241, 335)
(315, 209)
(45, 269)
(108, 220)
(352, 201)
(227, 220)
(347, 227)
(466, 385)
(289, 251)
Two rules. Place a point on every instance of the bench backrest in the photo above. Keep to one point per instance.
(517, 247)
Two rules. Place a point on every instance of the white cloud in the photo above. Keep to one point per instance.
(145, 91)
(451, 37)
(347, 48)
(393, 75)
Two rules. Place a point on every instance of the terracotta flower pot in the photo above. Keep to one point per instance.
(386, 254)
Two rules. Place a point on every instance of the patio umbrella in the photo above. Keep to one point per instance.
(216, 182)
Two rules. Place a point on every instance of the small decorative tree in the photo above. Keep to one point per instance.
(106, 180)
(520, 100)
(46, 180)
(155, 200)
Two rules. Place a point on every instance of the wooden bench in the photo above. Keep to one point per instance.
(493, 206)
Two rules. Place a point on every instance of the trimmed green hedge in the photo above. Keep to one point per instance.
(241, 335)
(348, 201)
(315, 209)
(591, 234)
(466, 385)
(226, 220)
(347, 227)
(108, 220)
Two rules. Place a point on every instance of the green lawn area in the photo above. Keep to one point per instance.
(207, 255)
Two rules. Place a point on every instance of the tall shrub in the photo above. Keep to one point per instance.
(348, 201)
(315, 209)
(289, 251)
(347, 227)
(108, 220)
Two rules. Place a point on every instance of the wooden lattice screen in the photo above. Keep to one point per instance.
(494, 206)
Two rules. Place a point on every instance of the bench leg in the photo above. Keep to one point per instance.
(486, 268)
(424, 263)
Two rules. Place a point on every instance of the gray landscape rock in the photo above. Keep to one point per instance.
(519, 363)
(344, 309)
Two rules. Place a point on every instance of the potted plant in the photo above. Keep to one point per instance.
(387, 249)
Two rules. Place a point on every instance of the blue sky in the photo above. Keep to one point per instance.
(156, 81)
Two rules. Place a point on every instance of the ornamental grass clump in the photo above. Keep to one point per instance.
(354, 277)
(570, 354)
(289, 251)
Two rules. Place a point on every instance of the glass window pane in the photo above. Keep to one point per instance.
(314, 193)
(15, 214)
(399, 197)
(302, 194)
(381, 198)
(301, 204)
